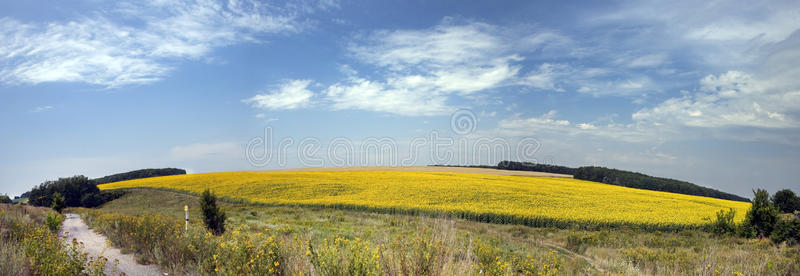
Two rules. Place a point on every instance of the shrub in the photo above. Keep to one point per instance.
(213, 216)
(5, 199)
(58, 202)
(786, 201)
(579, 243)
(724, 224)
(489, 261)
(761, 218)
(54, 221)
(787, 231)
(343, 256)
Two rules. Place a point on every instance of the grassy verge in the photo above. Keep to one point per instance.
(321, 241)
(29, 245)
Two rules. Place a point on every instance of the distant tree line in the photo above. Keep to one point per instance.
(144, 173)
(534, 167)
(642, 181)
(77, 191)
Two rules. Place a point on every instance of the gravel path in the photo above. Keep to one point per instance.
(96, 244)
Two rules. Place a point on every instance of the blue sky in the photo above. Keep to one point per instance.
(704, 92)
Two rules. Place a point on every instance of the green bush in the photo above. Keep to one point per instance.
(58, 202)
(787, 231)
(724, 224)
(5, 199)
(761, 218)
(213, 216)
(54, 221)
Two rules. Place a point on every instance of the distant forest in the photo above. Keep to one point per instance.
(534, 167)
(144, 173)
(643, 181)
(620, 178)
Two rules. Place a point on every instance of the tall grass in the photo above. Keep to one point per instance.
(280, 251)
(31, 247)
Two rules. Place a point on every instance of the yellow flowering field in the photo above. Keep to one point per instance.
(534, 201)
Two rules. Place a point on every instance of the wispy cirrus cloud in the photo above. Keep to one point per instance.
(292, 94)
(41, 108)
(132, 43)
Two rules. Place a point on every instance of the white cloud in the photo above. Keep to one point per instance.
(631, 84)
(728, 100)
(291, 95)
(526, 126)
(375, 96)
(442, 46)
(102, 50)
(547, 76)
(516, 126)
(42, 108)
(264, 117)
(423, 68)
(648, 60)
(198, 151)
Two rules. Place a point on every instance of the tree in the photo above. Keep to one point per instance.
(786, 201)
(213, 216)
(58, 202)
(5, 199)
(762, 216)
(77, 191)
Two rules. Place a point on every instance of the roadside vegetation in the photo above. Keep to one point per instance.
(29, 245)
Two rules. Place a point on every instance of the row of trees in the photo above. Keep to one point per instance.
(143, 173)
(534, 167)
(762, 220)
(643, 181)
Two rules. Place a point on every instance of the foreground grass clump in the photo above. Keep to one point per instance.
(532, 201)
(30, 246)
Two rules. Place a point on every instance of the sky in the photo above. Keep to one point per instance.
(706, 92)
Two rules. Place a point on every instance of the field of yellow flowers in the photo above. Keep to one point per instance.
(533, 201)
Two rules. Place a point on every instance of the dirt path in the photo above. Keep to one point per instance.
(96, 245)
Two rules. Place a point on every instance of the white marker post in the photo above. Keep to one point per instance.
(186, 209)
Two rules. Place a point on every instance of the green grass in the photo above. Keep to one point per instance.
(618, 251)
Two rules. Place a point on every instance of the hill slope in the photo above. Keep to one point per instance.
(535, 201)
